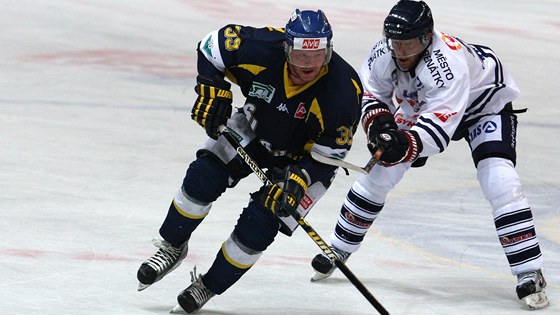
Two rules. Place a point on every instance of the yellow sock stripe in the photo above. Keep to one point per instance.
(187, 215)
(232, 261)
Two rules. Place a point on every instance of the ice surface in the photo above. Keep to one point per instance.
(95, 137)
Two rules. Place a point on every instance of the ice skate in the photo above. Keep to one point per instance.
(195, 296)
(324, 266)
(530, 289)
(161, 263)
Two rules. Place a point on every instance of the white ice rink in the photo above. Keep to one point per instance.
(95, 137)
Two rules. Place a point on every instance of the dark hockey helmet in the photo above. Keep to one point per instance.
(407, 28)
(408, 19)
(308, 30)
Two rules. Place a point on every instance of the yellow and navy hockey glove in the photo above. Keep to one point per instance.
(289, 187)
(213, 104)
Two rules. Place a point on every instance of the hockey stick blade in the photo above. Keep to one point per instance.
(230, 136)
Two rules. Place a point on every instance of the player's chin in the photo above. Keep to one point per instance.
(405, 62)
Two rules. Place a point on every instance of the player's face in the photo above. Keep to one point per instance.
(408, 52)
(305, 65)
(307, 58)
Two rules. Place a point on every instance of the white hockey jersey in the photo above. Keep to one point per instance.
(453, 83)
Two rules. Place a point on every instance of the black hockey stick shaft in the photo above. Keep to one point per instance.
(229, 135)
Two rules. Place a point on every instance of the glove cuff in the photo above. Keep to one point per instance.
(414, 148)
(371, 115)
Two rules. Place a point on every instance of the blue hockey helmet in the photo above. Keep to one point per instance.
(308, 31)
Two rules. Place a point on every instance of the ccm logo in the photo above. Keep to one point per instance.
(310, 43)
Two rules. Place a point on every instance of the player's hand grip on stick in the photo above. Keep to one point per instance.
(283, 197)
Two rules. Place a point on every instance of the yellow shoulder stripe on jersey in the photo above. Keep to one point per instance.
(254, 69)
(316, 111)
(358, 90)
(230, 76)
(270, 28)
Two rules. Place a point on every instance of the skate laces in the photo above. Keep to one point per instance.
(166, 256)
(197, 290)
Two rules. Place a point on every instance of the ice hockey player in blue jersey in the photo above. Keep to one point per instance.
(443, 89)
(300, 96)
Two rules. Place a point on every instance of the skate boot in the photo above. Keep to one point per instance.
(161, 263)
(195, 296)
(324, 266)
(530, 289)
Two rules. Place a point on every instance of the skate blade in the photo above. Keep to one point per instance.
(318, 276)
(142, 286)
(177, 310)
(536, 301)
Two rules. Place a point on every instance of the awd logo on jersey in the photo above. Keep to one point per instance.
(263, 91)
(300, 112)
(444, 117)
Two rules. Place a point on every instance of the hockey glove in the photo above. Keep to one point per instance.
(377, 118)
(289, 187)
(399, 146)
(213, 104)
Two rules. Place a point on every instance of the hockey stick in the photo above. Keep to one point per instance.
(341, 163)
(231, 135)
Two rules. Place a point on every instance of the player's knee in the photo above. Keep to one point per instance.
(206, 179)
(238, 254)
(499, 182)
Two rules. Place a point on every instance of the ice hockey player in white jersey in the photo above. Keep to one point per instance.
(423, 89)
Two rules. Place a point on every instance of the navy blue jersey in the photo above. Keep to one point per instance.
(289, 121)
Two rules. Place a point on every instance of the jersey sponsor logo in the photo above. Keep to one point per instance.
(439, 71)
(262, 91)
(412, 100)
(444, 117)
(508, 241)
(488, 129)
(301, 111)
(305, 202)
(451, 42)
(376, 52)
(282, 108)
(207, 47)
(400, 120)
(355, 221)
